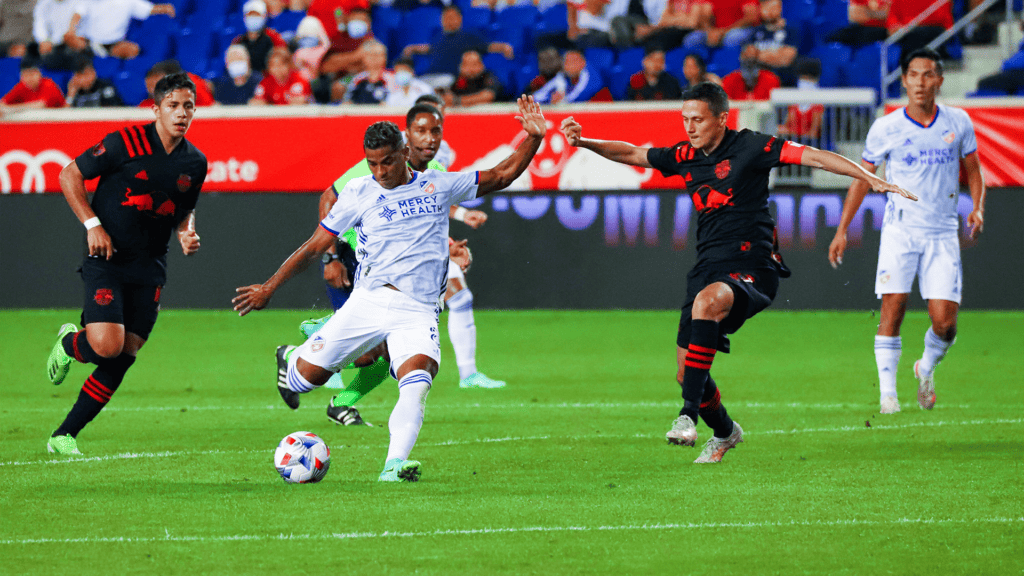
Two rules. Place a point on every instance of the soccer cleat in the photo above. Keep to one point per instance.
(683, 432)
(717, 447)
(290, 397)
(398, 470)
(59, 363)
(890, 405)
(65, 445)
(480, 380)
(345, 415)
(925, 388)
(311, 326)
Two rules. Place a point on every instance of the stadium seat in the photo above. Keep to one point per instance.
(502, 68)
(834, 58)
(618, 81)
(521, 16)
(984, 93)
(1014, 62)
(525, 74)
(476, 19)
(799, 10)
(554, 19)
(954, 49)
(286, 23)
(632, 59)
(516, 37)
(210, 11)
(153, 36)
(10, 74)
(724, 60)
(385, 23)
(60, 77)
(833, 15)
(865, 66)
(107, 67)
(182, 8)
(600, 59)
(131, 87)
(419, 26)
(194, 49)
(421, 63)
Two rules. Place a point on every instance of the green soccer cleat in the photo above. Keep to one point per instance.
(59, 363)
(65, 445)
(480, 380)
(398, 470)
(311, 326)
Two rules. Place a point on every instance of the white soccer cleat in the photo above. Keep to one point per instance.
(717, 447)
(925, 387)
(683, 432)
(890, 405)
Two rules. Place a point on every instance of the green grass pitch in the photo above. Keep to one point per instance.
(565, 471)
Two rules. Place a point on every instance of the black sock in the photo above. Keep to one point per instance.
(712, 411)
(95, 394)
(76, 345)
(699, 356)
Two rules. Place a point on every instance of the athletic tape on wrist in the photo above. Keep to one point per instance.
(91, 223)
(460, 214)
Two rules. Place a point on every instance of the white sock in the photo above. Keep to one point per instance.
(296, 382)
(935, 349)
(887, 357)
(462, 331)
(407, 417)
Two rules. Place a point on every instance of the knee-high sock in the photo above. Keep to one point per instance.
(887, 358)
(407, 417)
(935, 349)
(699, 356)
(96, 392)
(713, 412)
(366, 380)
(76, 345)
(462, 331)
(296, 381)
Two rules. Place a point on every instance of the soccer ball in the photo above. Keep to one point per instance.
(302, 457)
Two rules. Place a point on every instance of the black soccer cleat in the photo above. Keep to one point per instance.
(290, 397)
(345, 415)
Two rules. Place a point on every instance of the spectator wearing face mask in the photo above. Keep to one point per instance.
(751, 81)
(347, 23)
(311, 43)
(239, 85)
(803, 121)
(406, 89)
(258, 40)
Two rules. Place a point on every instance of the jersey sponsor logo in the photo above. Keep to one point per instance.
(722, 169)
(184, 182)
(707, 199)
(948, 136)
(910, 159)
(318, 344)
(103, 296)
(387, 213)
(153, 203)
(99, 149)
(33, 180)
(142, 175)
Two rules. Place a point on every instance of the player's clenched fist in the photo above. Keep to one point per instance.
(572, 131)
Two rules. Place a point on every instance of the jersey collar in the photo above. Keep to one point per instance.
(938, 109)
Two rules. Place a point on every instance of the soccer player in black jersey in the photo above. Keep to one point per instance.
(150, 178)
(738, 267)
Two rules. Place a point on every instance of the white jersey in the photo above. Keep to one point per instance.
(924, 160)
(402, 233)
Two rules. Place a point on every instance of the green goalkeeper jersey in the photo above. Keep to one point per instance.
(363, 169)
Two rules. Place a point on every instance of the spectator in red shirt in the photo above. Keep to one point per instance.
(653, 83)
(347, 23)
(549, 64)
(33, 91)
(734, 22)
(867, 23)
(283, 84)
(258, 39)
(750, 81)
(204, 97)
(803, 121)
(902, 12)
(680, 19)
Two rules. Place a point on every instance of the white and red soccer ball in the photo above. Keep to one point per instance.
(302, 457)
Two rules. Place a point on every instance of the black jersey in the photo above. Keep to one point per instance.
(729, 189)
(143, 195)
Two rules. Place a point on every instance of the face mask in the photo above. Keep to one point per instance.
(238, 68)
(403, 78)
(308, 42)
(749, 70)
(804, 84)
(254, 23)
(357, 28)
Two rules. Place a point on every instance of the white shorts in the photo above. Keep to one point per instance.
(933, 259)
(455, 273)
(368, 318)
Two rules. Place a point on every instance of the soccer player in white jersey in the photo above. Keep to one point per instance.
(922, 146)
(401, 220)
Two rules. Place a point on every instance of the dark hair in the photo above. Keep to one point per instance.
(418, 109)
(382, 135)
(652, 49)
(475, 51)
(431, 98)
(700, 63)
(164, 68)
(928, 53)
(404, 61)
(711, 94)
(28, 62)
(81, 63)
(170, 83)
(809, 67)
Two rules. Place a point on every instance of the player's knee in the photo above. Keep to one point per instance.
(944, 328)
(108, 347)
(713, 303)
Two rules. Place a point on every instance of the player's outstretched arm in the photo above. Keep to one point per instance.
(616, 151)
(257, 296)
(854, 198)
(976, 184)
(187, 234)
(841, 165)
(72, 184)
(502, 175)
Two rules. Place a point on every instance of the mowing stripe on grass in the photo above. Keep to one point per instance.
(168, 537)
(168, 454)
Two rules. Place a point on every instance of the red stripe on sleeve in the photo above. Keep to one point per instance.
(127, 143)
(791, 153)
(135, 138)
(145, 141)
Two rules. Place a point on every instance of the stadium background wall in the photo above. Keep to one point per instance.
(562, 250)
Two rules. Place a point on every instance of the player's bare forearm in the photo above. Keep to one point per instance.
(845, 167)
(617, 151)
(976, 184)
(257, 296)
(72, 184)
(327, 200)
(505, 173)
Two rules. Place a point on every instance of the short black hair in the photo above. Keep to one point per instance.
(170, 83)
(453, 7)
(929, 53)
(28, 62)
(809, 67)
(418, 109)
(711, 94)
(652, 49)
(431, 98)
(163, 68)
(700, 62)
(405, 61)
(382, 134)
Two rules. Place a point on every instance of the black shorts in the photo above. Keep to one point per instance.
(753, 287)
(108, 298)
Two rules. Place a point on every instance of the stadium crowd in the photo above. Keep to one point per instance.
(88, 53)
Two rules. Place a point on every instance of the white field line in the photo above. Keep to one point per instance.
(168, 537)
(794, 431)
